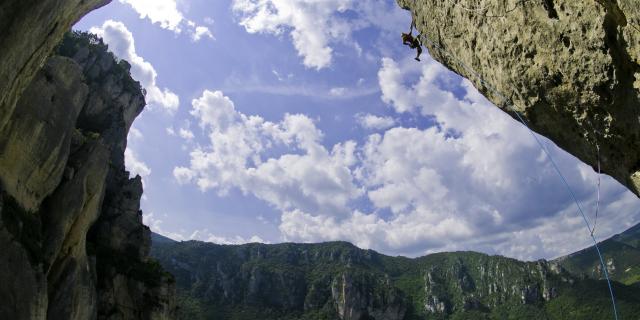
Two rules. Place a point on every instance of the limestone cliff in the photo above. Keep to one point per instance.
(72, 242)
(570, 68)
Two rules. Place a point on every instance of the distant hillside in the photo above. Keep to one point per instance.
(621, 254)
(337, 280)
(158, 238)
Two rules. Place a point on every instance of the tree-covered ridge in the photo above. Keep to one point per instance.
(336, 280)
(621, 254)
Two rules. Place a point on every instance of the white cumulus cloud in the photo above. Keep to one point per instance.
(473, 179)
(134, 165)
(314, 26)
(166, 14)
(163, 12)
(134, 134)
(370, 121)
(201, 32)
(186, 134)
(312, 178)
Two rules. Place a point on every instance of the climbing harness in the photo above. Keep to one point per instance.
(510, 105)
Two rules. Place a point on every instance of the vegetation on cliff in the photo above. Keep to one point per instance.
(621, 254)
(337, 280)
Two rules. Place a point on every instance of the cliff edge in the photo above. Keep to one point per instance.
(570, 68)
(72, 241)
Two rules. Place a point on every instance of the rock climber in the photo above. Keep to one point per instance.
(413, 43)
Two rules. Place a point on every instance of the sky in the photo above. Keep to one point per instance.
(308, 121)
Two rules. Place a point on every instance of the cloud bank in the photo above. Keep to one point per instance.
(165, 13)
(475, 180)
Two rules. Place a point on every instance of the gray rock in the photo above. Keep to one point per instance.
(72, 242)
(120, 227)
(30, 30)
(70, 274)
(23, 293)
(35, 143)
(129, 299)
(570, 68)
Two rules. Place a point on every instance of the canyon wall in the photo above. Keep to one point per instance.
(72, 241)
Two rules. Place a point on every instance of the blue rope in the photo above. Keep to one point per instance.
(546, 151)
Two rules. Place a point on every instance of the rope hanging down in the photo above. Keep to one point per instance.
(511, 106)
(595, 219)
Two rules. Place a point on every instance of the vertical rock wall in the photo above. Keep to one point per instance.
(72, 242)
(571, 68)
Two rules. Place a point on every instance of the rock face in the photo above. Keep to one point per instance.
(72, 242)
(40, 132)
(364, 296)
(570, 68)
(482, 283)
(30, 30)
(336, 280)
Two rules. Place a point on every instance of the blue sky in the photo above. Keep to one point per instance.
(309, 121)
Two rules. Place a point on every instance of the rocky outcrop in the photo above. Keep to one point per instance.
(570, 68)
(483, 283)
(72, 241)
(364, 296)
(30, 30)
